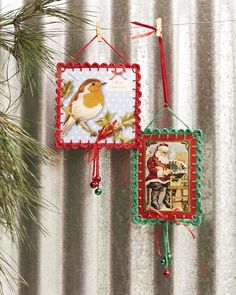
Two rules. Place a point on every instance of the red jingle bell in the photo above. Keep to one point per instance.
(167, 273)
(93, 184)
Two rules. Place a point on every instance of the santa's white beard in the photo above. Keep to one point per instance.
(162, 159)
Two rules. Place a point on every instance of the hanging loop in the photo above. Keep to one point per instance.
(87, 44)
(158, 114)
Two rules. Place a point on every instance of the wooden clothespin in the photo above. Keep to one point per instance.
(99, 30)
(159, 27)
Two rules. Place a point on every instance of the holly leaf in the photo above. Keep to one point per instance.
(128, 120)
(103, 121)
(186, 144)
(118, 135)
(67, 89)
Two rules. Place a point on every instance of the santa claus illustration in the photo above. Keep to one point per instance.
(159, 177)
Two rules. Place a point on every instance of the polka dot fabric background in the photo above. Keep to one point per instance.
(118, 101)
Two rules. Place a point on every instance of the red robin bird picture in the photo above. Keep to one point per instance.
(87, 103)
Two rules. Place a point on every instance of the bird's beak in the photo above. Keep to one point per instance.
(104, 83)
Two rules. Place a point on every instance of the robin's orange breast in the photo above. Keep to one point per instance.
(93, 99)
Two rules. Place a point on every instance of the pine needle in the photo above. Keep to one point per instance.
(23, 36)
(18, 186)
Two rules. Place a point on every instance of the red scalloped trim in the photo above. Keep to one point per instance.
(192, 176)
(59, 143)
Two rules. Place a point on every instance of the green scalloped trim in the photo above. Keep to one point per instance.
(134, 177)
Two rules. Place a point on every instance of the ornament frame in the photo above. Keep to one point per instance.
(61, 67)
(138, 178)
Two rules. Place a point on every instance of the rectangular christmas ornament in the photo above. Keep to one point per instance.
(166, 176)
(97, 103)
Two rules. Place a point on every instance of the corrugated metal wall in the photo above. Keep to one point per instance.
(92, 246)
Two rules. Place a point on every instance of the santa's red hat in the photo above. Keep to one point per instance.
(163, 147)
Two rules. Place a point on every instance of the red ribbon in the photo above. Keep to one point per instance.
(162, 58)
(106, 131)
(145, 26)
(115, 73)
(169, 217)
(87, 44)
(158, 244)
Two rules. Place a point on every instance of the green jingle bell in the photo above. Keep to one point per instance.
(98, 191)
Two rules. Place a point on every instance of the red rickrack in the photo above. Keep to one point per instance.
(61, 67)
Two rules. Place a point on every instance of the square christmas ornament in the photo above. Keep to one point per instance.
(166, 182)
(166, 176)
(97, 104)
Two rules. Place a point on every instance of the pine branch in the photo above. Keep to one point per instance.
(26, 42)
(19, 187)
(23, 39)
(16, 191)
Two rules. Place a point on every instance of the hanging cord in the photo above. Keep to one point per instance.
(166, 219)
(166, 26)
(158, 244)
(158, 114)
(164, 74)
(106, 131)
(96, 178)
(82, 49)
(116, 51)
(167, 251)
(168, 255)
(173, 114)
(87, 44)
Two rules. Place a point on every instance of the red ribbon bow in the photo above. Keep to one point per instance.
(115, 73)
(106, 131)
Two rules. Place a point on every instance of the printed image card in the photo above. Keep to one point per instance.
(168, 175)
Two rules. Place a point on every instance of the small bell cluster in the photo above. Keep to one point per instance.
(165, 262)
(95, 185)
